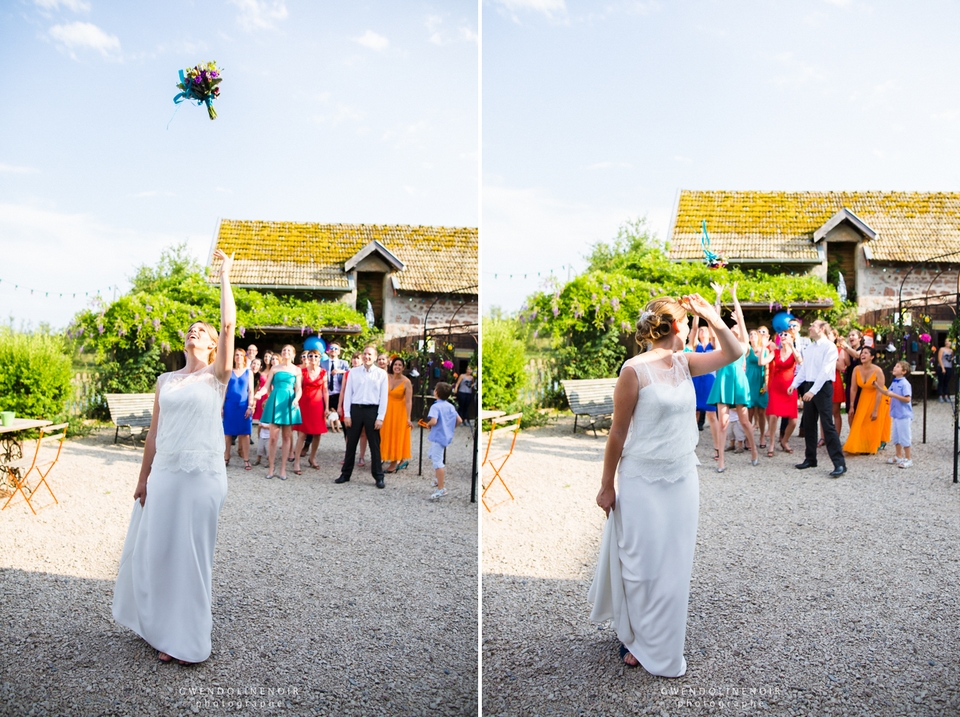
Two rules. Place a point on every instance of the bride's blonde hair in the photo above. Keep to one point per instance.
(656, 321)
(213, 334)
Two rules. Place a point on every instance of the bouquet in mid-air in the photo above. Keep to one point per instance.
(200, 84)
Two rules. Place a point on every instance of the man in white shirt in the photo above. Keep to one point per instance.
(364, 406)
(814, 379)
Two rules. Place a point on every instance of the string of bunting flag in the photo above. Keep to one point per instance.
(499, 275)
(54, 293)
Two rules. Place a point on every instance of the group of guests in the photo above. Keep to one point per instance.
(294, 405)
(753, 401)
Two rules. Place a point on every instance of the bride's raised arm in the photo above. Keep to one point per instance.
(228, 320)
(729, 349)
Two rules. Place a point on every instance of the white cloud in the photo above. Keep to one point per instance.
(682, 159)
(546, 7)
(839, 3)
(15, 169)
(439, 36)
(85, 36)
(153, 193)
(75, 5)
(224, 190)
(260, 14)
(373, 41)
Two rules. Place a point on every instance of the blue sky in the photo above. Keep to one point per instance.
(359, 112)
(596, 112)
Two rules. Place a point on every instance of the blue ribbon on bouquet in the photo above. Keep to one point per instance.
(710, 257)
(190, 94)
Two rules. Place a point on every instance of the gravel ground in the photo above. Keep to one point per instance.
(810, 596)
(328, 599)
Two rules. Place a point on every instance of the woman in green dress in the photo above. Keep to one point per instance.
(732, 391)
(282, 409)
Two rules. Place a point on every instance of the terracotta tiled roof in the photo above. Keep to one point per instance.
(779, 226)
(291, 254)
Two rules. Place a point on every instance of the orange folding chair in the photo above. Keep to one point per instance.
(20, 471)
(500, 428)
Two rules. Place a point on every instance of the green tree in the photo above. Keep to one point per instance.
(504, 364)
(35, 374)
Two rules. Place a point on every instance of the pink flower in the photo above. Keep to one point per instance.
(926, 338)
(448, 364)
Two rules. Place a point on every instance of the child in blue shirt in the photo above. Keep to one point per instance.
(443, 420)
(901, 412)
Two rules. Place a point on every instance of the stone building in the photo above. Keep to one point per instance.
(887, 245)
(409, 275)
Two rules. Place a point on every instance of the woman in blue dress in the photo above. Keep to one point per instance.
(238, 409)
(702, 340)
(282, 409)
(731, 389)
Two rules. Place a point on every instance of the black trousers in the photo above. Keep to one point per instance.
(362, 416)
(820, 407)
(464, 404)
(943, 382)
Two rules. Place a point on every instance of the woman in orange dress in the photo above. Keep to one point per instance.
(871, 422)
(395, 433)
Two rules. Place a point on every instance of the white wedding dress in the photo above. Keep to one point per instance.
(164, 588)
(642, 581)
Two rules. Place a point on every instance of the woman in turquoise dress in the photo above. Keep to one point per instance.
(282, 409)
(732, 390)
(759, 355)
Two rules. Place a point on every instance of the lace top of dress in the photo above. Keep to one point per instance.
(662, 440)
(190, 430)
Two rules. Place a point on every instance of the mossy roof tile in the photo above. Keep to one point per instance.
(778, 226)
(293, 254)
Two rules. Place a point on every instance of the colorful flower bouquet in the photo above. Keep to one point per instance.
(200, 85)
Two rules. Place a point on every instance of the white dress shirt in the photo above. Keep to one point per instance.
(819, 364)
(366, 386)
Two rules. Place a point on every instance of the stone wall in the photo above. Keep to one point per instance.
(404, 313)
(878, 285)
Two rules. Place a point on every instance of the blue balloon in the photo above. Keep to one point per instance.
(781, 321)
(315, 343)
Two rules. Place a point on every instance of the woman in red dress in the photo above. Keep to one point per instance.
(263, 373)
(781, 404)
(314, 405)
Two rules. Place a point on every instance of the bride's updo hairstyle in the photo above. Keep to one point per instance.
(656, 321)
(213, 334)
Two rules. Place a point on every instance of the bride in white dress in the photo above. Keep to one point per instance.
(642, 581)
(164, 586)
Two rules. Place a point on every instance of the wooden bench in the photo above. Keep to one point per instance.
(592, 398)
(130, 410)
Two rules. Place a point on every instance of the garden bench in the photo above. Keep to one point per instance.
(592, 398)
(130, 410)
